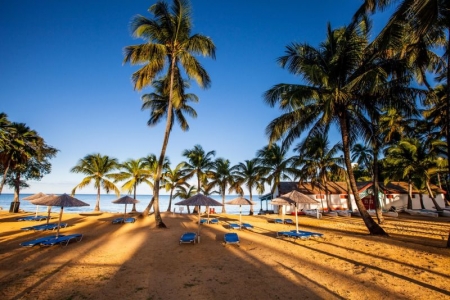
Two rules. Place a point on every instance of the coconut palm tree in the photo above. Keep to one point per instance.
(340, 76)
(151, 163)
(222, 175)
(183, 192)
(274, 164)
(199, 163)
(169, 46)
(175, 178)
(319, 159)
(134, 172)
(248, 173)
(413, 158)
(98, 169)
(415, 30)
(21, 144)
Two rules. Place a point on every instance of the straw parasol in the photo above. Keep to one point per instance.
(199, 200)
(62, 201)
(240, 201)
(37, 196)
(294, 197)
(125, 200)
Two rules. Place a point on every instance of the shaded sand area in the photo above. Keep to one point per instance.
(138, 261)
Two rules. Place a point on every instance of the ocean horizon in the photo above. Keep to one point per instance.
(106, 204)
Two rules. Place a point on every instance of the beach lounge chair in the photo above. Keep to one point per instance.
(288, 221)
(294, 235)
(313, 234)
(231, 238)
(38, 241)
(278, 221)
(214, 221)
(123, 220)
(43, 227)
(62, 240)
(188, 237)
(234, 226)
(32, 218)
(247, 226)
(203, 221)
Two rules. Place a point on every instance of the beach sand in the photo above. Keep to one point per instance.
(139, 261)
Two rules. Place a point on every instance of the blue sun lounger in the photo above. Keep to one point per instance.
(203, 221)
(313, 234)
(123, 220)
(43, 227)
(247, 226)
(214, 221)
(278, 221)
(294, 235)
(38, 241)
(32, 218)
(288, 221)
(234, 226)
(231, 238)
(62, 240)
(188, 237)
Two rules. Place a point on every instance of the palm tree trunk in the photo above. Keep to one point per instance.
(146, 211)
(97, 203)
(224, 211)
(169, 208)
(376, 186)
(17, 187)
(373, 227)
(4, 176)
(409, 206)
(134, 197)
(158, 220)
(251, 206)
(430, 192)
(422, 206)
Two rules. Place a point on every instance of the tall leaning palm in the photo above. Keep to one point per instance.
(337, 76)
(169, 46)
(98, 169)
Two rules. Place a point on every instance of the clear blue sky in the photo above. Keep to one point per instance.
(61, 73)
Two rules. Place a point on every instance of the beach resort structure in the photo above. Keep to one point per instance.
(393, 194)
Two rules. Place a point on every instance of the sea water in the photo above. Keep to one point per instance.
(106, 204)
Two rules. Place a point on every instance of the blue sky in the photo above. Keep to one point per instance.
(62, 75)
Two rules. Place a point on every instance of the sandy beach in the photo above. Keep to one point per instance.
(139, 261)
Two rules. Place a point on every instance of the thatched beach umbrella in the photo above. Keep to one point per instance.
(199, 200)
(62, 201)
(294, 197)
(240, 201)
(35, 197)
(125, 200)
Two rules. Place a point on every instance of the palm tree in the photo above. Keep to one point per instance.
(133, 172)
(222, 175)
(415, 29)
(248, 173)
(318, 159)
(340, 76)
(413, 158)
(185, 193)
(274, 164)
(169, 44)
(199, 163)
(175, 178)
(97, 169)
(20, 145)
(151, 164)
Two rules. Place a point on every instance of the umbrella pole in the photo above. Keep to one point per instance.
(296, 217)
(59, 221)
(49, 208)
(37, 206)
(198, 230)
(125, 213)
(240, 216)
